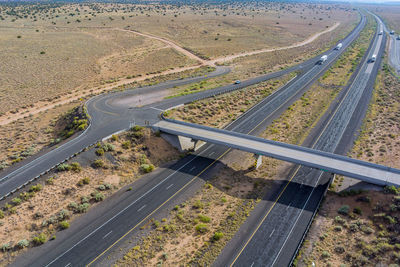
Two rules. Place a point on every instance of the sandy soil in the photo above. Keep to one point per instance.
(42, 106)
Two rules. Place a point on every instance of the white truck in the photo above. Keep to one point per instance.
(322, 59)
(373, 58)
(339, 46)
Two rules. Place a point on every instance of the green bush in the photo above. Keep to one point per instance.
(23, 243)
(98, 196)
(16, 201)
(344, 210)
(98, 164)
(39, 239)
(126, 144)
(114, 137)
(1, 214)
(357, 210)
(201, 228)
(83, 207)
(338, 228)
(339, 220)
(63, 167)
(198, 204)
(83, 181)
(76, 167)
(101, 187)
(50, 181)
(146, 168)
(5, 247)
(325, 254)
(217, 236)
(100, 152)
(35, 188)
(108, 147)
(392, 190)
(64, 225)
(204, 218)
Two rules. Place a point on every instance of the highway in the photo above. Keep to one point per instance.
(272, 235)
(314, 158)
(92, 236)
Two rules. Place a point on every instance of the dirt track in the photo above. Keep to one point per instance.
(43, 106)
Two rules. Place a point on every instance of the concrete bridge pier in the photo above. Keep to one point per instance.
(258, 161)
(182, 143)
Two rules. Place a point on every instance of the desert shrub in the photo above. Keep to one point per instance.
(204, 218)
(126, 144)
(217, 236)
(83, 181)
(76, 167)
(146, 168)
(101, 187)
(365, 199)
(353, 227)
(108, 147)
(344, 210)
(339, 220)
(1, 214)
(16, 201)
(98, 163)
(339, 249)
(35, 188)
(39, 239)
(338, 228)
(223, 199)
(392, 190)
(325, 254)
(357, 210)
(98, 196)
(366, 229)
(169, 228)
(201, 228)
(64, 224)
(114, 137)
(13, 210)
(23, 243)
(5, 247)
(100, 152)
(50, 181)
(198, 204)
(63, 167)
(82, 208)
(63, 214)
(137, 128)
(85, 199)
(73, 206)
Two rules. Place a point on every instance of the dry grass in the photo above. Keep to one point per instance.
(40, 212)
(367, 239)
(390, 14)
(379, 140)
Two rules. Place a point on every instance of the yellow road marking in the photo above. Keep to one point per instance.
(133, 228)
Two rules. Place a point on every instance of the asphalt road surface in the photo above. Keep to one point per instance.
(271, 237)
(91, 238)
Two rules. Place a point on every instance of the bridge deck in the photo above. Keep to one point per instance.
(365, 171)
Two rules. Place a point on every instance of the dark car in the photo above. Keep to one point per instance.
(237, 82)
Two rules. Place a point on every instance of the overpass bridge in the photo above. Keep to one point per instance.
(329, 162)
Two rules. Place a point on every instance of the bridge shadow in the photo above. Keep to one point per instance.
(242, 183)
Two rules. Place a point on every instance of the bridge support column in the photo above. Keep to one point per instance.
(258, 161)
(182, 143)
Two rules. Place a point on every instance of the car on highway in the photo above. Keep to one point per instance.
(380, 33)
(339, 46)
(391, 32)
(237, 82)
(372, 59)
(322, 59)
(398, 37)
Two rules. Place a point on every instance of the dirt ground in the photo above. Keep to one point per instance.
(44, 59)
(63, 194)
